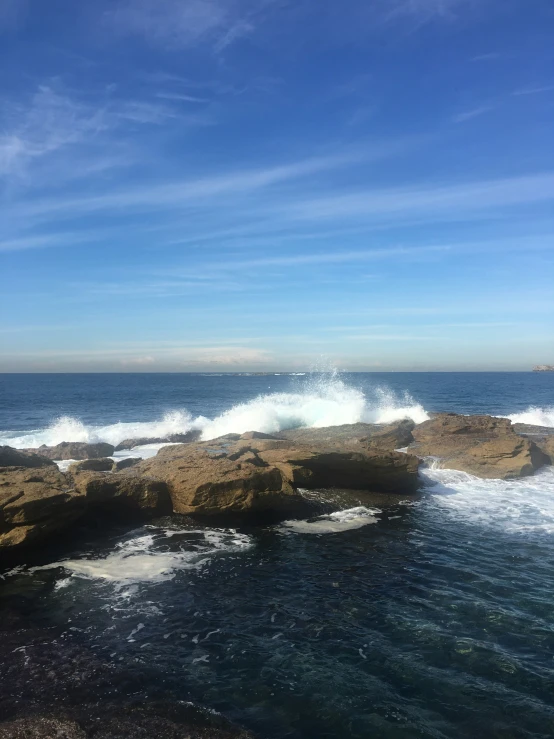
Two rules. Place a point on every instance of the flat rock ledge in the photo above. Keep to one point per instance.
(253, 474)
(256, 473)
(484, 446)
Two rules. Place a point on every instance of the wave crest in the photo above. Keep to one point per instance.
(535, 416)
(324, 401)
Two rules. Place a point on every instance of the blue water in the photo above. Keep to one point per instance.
(437, 620)
(34, 401)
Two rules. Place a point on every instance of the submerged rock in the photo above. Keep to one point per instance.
(75, 450)
(485, 446)
(56, 688)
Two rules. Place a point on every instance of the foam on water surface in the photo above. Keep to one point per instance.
(148, 558)
(334, 523)
(520, 506)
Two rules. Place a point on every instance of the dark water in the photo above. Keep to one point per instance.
(435, 621)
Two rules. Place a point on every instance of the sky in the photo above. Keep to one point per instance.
(240, 185)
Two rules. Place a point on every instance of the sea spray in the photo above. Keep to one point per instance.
(321, 400)
(535, 416)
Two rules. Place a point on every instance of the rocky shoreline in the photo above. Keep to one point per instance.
(253, 474)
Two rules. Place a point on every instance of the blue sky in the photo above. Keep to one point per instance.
(236, 185)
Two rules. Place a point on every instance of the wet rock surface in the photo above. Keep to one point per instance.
(256, 473)
(485, 446)
(75, 450)
(264, 474)
(10, 457)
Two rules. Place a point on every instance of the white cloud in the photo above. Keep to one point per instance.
(48, 122)
(467, 115)
(202, 190)
(460, 198)
(534, 90)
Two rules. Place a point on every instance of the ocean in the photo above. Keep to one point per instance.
(387, 617)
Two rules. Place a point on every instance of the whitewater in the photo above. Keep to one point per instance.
(324, 402)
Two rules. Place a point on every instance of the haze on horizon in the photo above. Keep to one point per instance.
(230, 185)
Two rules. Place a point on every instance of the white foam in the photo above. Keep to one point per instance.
(67, 428)
(334, 523)
(146, 559)
(535, 416)
(523, 505)
(324, 401)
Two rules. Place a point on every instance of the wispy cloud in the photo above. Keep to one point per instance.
(421, 12)
(93, 130)
(490, 56)
(47, 123)
(204, 189)
(460, 198)
(467, 115)
(534, 90)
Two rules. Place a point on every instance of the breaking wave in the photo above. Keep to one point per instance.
(324, 401)
(535, 416)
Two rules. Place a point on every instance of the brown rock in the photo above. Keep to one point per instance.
(34, 504)
(375, 470)
(185, 438)
(390, 437)
(348, 433)
(209, 483)
(542, 436)
(248, 435)
(219, 476)
(140, 441)
(481, 445)
(123, 464)
(75, 450)
(102, 464)
(138, 495)
(10, 457)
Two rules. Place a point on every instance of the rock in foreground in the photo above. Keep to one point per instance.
(264, 474)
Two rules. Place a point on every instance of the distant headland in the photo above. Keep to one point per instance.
(544, 368)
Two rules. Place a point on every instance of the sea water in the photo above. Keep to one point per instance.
(383, 617)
